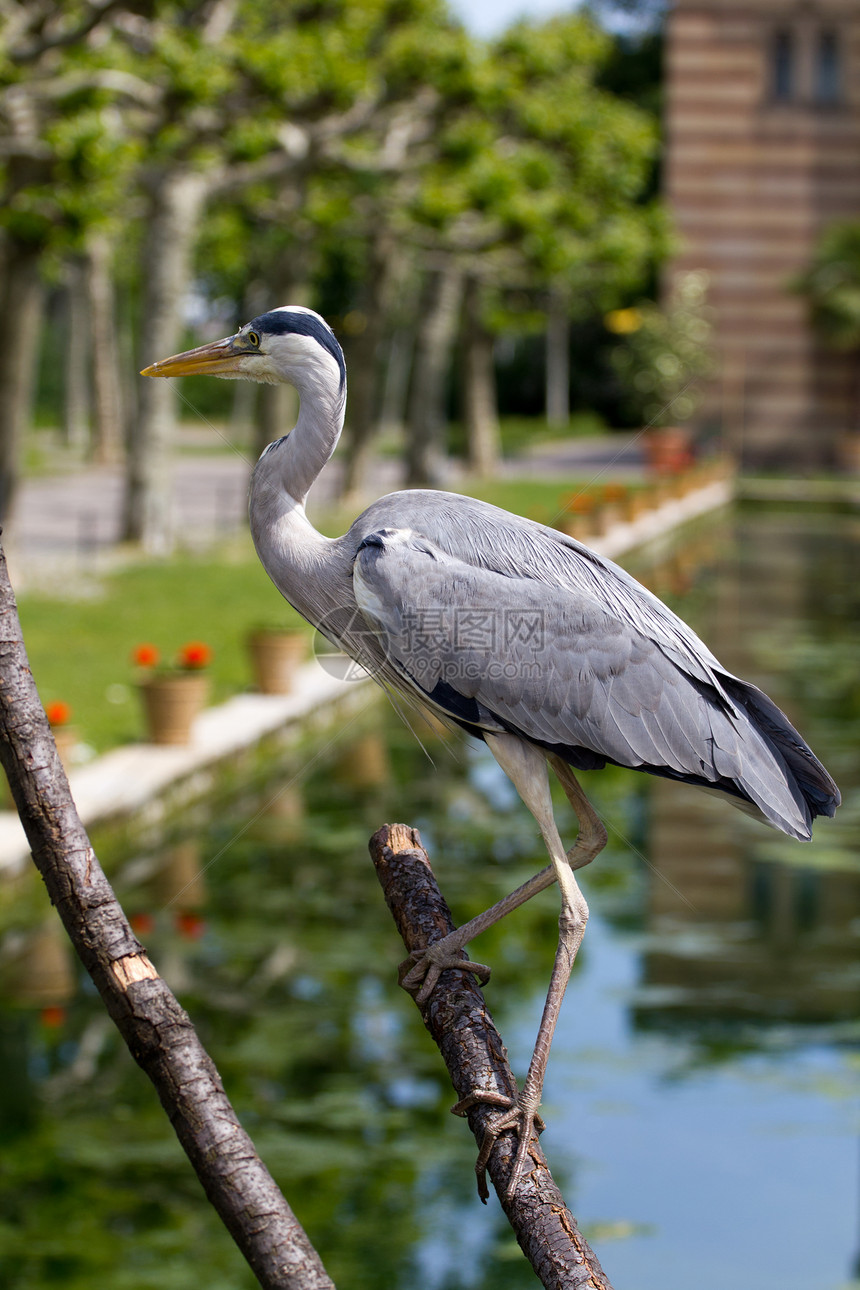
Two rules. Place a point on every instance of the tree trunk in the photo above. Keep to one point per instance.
(480, 410)
(276, 412)
(363, 407)
(76, 392)
(107, 383)
(557, 361)
(427, 398)
(242, 409)
(365, 349)
(21, 297)
(173, 221)
(277, 406)
(395, 389)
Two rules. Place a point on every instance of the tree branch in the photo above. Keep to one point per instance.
(64, 36)
(157, 1030)
(457, 1018)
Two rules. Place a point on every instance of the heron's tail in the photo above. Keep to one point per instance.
(815, 789)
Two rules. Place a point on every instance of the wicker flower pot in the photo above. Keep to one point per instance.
(170, 705)
(276, 656)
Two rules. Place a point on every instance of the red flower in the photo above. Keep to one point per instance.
(194, 655)
(143, 924)
(58, 713)
(53, 1016)
(146, 655)
(189, 926)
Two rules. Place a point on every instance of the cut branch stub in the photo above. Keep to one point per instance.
(457, 1018)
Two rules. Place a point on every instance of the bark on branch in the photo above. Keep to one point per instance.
(457, 1018)
(155, 1027)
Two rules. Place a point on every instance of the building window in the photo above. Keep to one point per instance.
(828, 87)
(782, 66)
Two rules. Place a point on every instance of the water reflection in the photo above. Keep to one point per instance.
(734, 938)
(38, 968)
(700, 1077)
(742, 923)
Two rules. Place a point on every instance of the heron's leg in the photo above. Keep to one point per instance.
(592, 835)
(526, 767)
(428, 964)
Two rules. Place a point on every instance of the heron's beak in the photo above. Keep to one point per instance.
(218, 358)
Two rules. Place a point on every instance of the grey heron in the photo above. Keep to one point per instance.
(518, 634)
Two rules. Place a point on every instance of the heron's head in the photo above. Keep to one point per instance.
(290, 344)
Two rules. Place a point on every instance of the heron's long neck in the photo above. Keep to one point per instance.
(306, 450)
(293, 553)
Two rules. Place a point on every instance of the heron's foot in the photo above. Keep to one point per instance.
(420, 972)
(516, 1114)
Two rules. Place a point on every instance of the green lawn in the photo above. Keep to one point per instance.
(517, 434)
(80, 649)
(537, 499)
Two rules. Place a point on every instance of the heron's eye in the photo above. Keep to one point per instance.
(253, 339)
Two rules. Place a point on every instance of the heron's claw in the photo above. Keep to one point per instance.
(419, 973)
(523, 1119)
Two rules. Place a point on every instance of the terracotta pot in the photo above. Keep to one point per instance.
(276, 656)
(611, 513)
(365, 763)
(66, 739)
(637, 504)
(668, 449)
(579, 527)
(170, 705)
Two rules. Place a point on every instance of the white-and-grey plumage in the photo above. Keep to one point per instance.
(599, 671)
(516, 632)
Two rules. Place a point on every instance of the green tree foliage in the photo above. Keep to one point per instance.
(322, 134)
(68, 110)
(832, 285)
(507, 155)
(540, 172)
(665, 352)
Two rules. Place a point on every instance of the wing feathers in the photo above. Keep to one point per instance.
(567, 668)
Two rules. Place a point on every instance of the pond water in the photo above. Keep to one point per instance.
(700, 1096)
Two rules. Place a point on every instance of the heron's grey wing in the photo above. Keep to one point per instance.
(486, 537)
(556, 666)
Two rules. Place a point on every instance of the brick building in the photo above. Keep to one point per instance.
(763, 152)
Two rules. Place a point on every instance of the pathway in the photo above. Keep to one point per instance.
(72, 524)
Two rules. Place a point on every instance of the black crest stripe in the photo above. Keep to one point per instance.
(283, 322)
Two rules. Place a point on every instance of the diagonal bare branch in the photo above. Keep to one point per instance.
(158, 1031)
